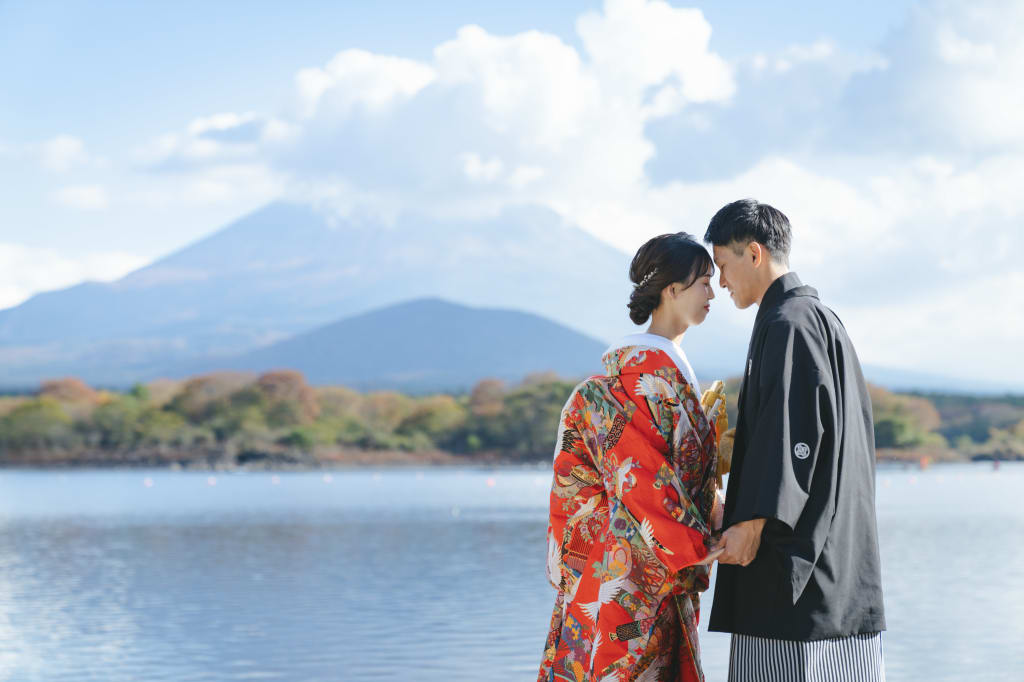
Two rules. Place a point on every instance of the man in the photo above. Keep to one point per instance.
(799, 580)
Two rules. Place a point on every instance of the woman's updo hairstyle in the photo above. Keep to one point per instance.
(664, 260)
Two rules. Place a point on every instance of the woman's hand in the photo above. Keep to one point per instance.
(717, 511)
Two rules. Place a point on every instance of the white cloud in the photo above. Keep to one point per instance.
(83, 197)
(530, 88)
(899, 167)
(62, 153)
(819, 51)
(356, 77)
(955, 49)
(221, 122)
(223, 138)
(25, 270)
(491, 115)
(230, 183)
(244, 186)
(954, 81)
(893, 228)
(971, 329)
(478, 170)
(641, 43)
(477, 126)
(525, 175)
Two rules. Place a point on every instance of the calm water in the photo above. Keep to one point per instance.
(433, 575)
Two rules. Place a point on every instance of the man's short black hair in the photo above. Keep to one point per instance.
(741, 222)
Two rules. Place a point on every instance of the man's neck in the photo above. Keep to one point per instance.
(772, 271)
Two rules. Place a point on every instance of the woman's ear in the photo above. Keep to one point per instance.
(668, 293)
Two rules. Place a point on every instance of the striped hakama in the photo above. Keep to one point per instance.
(857, 658)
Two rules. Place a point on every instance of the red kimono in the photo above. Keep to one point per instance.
(634, 484)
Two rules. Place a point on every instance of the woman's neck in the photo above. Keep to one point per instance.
(671, 330)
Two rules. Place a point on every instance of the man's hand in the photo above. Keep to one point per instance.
(739, 543)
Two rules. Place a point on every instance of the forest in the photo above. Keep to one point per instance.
(233, 419)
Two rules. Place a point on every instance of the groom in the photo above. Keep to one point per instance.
(799, 581)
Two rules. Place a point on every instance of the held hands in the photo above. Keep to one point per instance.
(738, 544)
(717, 516)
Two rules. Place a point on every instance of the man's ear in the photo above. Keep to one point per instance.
(756, 253)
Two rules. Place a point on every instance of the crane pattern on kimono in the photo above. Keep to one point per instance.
(633, 485)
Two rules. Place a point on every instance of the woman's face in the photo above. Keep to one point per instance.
(692, 304)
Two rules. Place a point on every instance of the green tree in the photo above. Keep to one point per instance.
(896, 432)
(140, 392)
(531, 417)
(116, 423)
(160, 427)
(37, 424)
(301, 438)
(905, 421)
(435, 418)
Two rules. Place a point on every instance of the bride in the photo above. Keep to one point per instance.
(634, 490)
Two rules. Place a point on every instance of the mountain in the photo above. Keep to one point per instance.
(289, 268)
(425, 345)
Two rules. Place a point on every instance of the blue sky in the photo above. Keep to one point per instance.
(64, 61)
(115, 75)
(890, 132)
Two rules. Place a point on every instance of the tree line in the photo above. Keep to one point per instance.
(231, 418)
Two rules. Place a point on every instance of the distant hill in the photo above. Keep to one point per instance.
(289, 268)
(425, 345)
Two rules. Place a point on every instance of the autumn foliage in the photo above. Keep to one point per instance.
(237, 417)
(69, 390)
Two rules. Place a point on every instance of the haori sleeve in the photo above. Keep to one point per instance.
(790, 461)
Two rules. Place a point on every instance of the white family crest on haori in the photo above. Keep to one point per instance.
(801, 451)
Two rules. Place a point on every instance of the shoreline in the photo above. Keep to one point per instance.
(346, 459)
(385, 459)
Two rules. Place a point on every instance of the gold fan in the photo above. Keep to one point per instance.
(713, 404)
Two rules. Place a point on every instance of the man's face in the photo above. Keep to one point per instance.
(736, 273)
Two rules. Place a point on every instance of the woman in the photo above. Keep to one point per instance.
(634, 488)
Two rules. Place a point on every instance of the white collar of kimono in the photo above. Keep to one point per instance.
(667, 346)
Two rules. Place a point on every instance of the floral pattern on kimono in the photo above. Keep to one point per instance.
(634, 483)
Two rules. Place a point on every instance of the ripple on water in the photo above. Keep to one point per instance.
(105, 578)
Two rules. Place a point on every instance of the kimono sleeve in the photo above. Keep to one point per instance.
(576, 494)
(790, 459)
(646, 493)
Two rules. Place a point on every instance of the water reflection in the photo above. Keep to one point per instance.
(415, 575)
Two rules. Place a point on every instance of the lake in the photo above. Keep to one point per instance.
(418, 575)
